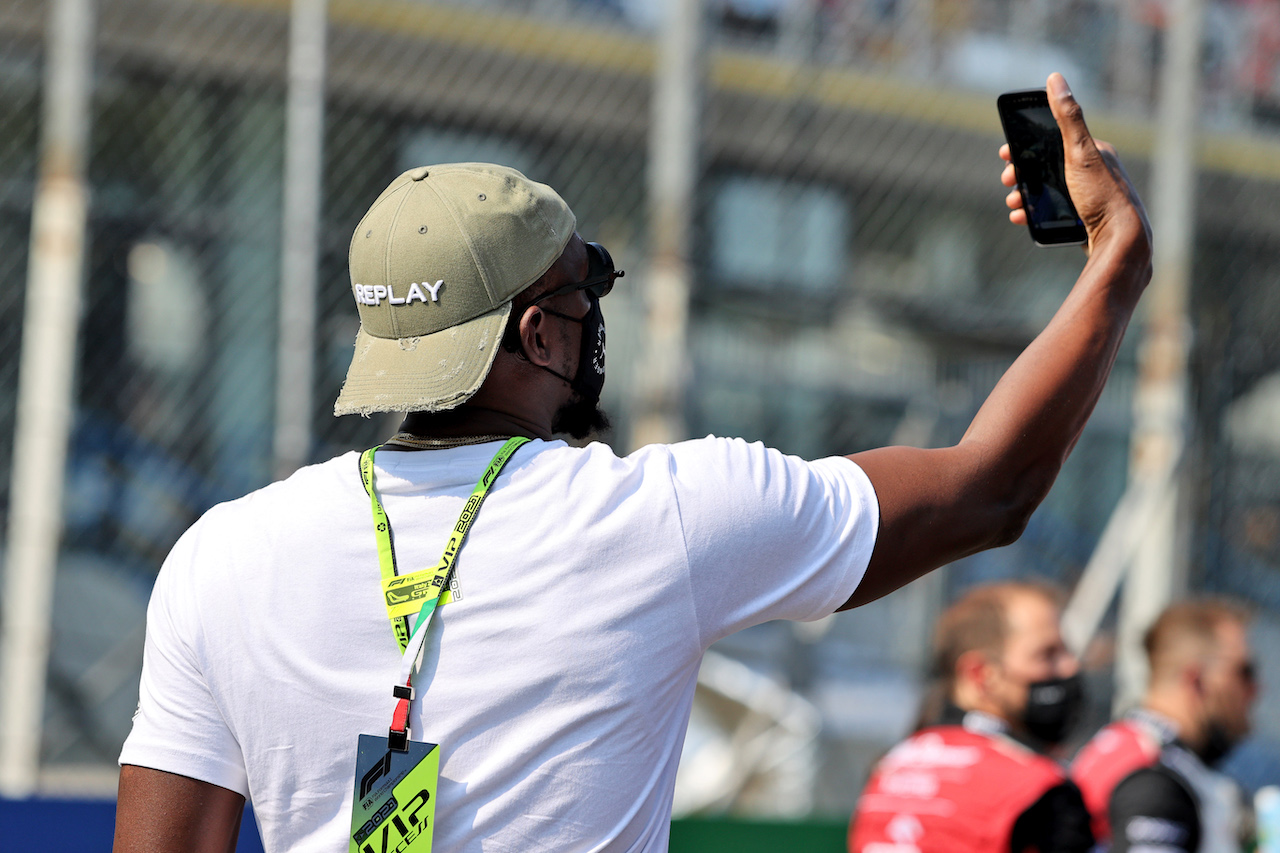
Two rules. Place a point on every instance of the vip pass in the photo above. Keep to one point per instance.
(373, 294)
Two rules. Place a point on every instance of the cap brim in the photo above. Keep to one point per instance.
(423, 374)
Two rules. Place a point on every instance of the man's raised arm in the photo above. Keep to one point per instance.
(939, 505)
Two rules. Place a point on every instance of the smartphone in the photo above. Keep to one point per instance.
(1040, 163)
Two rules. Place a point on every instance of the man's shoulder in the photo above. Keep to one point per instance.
(713, 450)
(1158, 786)
(741, 461)
(989, 770)
(728, 445)
(708, 457)
(305, 485)
(960, 746)
(1114, 752)
(303, 494)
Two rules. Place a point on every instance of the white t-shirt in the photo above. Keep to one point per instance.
(558, 686)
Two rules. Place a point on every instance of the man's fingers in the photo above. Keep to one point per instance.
(1068, 113)
(1009, 178)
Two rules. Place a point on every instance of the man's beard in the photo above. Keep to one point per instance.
(579, 418)
(1222, 733)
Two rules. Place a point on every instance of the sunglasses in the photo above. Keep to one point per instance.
(600, 275)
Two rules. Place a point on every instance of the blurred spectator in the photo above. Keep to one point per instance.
(981, 781)
(1147, 777)
(1261, 51)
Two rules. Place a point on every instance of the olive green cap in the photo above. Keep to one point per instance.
(434, 265)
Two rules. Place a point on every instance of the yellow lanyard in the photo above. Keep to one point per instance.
(423, 591)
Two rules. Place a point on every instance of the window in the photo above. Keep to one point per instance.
(770, 234)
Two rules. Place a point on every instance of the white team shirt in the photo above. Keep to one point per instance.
(558, 686)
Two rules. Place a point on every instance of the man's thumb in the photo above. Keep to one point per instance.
(1068, 113)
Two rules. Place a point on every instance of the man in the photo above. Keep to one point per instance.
(980, 781)
(558, 674)
(1147, 778)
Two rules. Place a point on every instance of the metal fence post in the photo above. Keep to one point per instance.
(303, 185)
(1158, 572)
(46, 391)
(673, 177)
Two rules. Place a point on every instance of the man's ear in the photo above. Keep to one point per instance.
(1193, 679)
(533, 334)
(973, 668)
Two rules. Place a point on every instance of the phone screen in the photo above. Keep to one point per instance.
(1039, 159)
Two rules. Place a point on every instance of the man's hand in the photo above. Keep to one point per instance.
(1101, 190)
(939, 505)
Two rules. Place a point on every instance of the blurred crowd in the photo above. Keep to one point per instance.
(983, 769)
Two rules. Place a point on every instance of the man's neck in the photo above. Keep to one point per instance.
(1173, 707)
(469, 420)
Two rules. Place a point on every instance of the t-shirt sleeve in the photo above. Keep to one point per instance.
(770, 536)
(178, 726)
(1153, 812)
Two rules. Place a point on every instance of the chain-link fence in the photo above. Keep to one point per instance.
(855, 280)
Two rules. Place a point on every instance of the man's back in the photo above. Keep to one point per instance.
(558, 684)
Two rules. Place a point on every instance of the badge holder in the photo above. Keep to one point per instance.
(394, 786)
(394, 806)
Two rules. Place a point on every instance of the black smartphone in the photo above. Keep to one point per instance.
(1040, 163)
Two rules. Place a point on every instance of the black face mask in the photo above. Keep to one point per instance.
(1217, 743)
(589, 380)
(1053, 708)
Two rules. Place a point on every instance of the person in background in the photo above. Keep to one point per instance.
(1147, 778)
(982, 780)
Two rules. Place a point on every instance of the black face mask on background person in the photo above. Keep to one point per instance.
(1053, 708)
